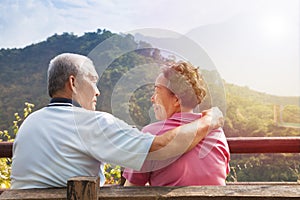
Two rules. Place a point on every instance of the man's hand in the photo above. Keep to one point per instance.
(213, 118)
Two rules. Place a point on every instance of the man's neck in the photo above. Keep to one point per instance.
(62, 94)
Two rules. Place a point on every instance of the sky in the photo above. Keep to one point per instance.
(253, 43)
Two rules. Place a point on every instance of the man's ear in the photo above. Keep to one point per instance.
(72, 84)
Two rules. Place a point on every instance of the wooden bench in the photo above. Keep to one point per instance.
(86, 188)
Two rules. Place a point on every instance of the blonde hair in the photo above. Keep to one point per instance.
(186, 83)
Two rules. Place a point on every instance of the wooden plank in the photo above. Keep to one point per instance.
(203, 192)
(34, 194)
(3, 189)
(83, 188)
(234, 192)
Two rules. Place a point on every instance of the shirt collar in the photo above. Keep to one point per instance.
(185, 116)
(63, 102)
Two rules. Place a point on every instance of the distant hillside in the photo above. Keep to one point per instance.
(23, 79)
(23, 71)
(261, 97)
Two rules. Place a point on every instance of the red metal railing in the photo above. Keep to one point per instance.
(6, 149)
(236, 145)
(264, 144)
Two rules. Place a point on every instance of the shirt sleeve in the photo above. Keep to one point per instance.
(109, 139)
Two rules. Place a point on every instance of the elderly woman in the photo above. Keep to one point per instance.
(178, 90)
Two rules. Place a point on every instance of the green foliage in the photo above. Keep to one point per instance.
(291, 114)
(139, 105)
(9, 135)
(265, 168)
(5, 167)
(112, 174)
(251, 117)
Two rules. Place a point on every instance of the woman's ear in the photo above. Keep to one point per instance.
(177, 101)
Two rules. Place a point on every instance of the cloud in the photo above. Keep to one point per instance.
(30, 21)
(25, 22)
(230, 45)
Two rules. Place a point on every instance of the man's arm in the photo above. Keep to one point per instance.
(184, 138)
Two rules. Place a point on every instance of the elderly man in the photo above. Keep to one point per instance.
(178, 90)
(69, 138)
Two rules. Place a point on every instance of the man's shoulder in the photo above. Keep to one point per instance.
(36, 113)
(82, 111)
(102, 114)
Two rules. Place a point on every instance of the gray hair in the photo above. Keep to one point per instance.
(61, 68)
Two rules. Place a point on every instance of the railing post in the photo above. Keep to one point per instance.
(83, 188)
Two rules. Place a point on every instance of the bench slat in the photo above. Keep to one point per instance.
(238, 192)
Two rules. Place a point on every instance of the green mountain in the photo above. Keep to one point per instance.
(23, 79)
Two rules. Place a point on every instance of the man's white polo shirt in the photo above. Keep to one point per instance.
(61, 141)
